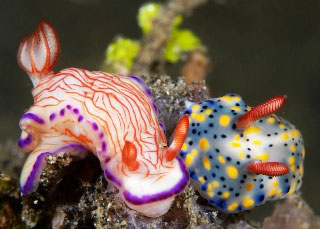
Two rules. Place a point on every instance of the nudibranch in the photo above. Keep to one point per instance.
(239, 157)
(77, 111)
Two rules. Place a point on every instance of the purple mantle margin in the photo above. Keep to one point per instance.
(162, 195)
(35, 172)
(33, 117)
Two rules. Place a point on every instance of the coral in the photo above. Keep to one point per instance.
(122, 52)
(180, 41)
(120, 55)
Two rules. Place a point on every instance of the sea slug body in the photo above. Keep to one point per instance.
(77, 111)
(239, 157)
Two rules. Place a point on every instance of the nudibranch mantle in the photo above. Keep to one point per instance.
(76, 111)
(219, 155)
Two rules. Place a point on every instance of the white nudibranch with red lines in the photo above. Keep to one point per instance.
(77, 111)
(239, 159)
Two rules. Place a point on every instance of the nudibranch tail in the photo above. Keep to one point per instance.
(129, 156)
(274, 169)
(39, 53)
(179, 136)
(261, 111)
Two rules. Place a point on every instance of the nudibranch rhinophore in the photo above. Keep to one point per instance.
(239, 157)
(77, 111)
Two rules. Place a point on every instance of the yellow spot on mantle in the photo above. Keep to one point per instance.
(282, 126)
(206, 163)
(215, 184)
(226, 195)
(294, 133)
(242, 155)
(224, 120)
(221, 160)
(249, 187)
(285, 137)
(232, 172)
(189, 159)
(204, 144)
(184, 147)
(291, 160)
(301, 170)
(235, 108)
(194, 153)
(232, 207)
(198, 117)
(252, 130)
(293, 148)
(208, 112)
(210, 194)
(303, 152)
(235, 144)
(272, 192)
(292, 168)
(227, 99)
(270, 120)
(275, 184)
(263, 157)
(248, 202)
(212, 185)
(237, 138)
(195, 108)
(256, 142)
(202, 180)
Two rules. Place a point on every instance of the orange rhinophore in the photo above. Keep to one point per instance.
(178, 138)
(261, 111)
(115, 117)
(274, 169)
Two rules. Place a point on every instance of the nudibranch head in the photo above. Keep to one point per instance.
(114, 117)
(239, 159)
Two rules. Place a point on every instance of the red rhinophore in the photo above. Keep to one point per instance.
(268, 168)
(129, 156)
(179, 136)
(39, 53)
(263, 110)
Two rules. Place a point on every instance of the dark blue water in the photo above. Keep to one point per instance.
(259, 49)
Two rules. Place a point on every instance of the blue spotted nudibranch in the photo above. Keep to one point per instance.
(238, 157)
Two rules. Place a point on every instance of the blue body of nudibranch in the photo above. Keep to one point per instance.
(216, 152)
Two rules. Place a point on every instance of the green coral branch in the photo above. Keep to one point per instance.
(121, 53)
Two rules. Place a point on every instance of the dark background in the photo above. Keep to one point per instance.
(259, 48)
